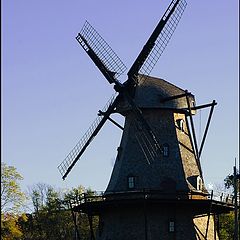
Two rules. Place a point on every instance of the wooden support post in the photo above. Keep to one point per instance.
(190, 136)
(215, 228)
(196, 227)
(218, 224)
(198, 236)
(204, 105)
(101, 113)
(207, 126)
(92, 237)
(210, 209)
(193, 133)
(74, 216)
(115, 123)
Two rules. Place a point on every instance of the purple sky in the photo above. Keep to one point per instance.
(51, 91)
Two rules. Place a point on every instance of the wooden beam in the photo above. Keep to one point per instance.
(199, 231)
(101, 113)
(174, 97)
(210, 209)
(207, 126)
(92, 237)
(74, 216)
(204, 105)
(194, 135)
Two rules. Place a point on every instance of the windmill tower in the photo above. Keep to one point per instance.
(156, 190)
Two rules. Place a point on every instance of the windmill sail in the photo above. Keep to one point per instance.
(71, 159)
(100, 52)
(112, 67)
(158, 41)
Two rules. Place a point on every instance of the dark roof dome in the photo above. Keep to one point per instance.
(152, 92)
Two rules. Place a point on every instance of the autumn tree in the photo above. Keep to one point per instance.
(48, 220)
(52, 217)
(12, 200)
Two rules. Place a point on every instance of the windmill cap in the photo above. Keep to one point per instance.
(152, 92)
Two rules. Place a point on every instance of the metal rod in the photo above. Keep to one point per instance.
(207, 127)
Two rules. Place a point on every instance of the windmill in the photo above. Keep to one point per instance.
(111, 67)
(156, 187)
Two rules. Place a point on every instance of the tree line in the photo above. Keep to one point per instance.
(41, 213)
(50, 216)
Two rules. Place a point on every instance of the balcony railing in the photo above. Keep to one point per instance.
(148, 194)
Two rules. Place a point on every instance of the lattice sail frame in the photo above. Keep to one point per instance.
(72, 156)
(163, 38)
(101, 48)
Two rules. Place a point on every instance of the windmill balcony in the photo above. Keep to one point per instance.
(94, 203)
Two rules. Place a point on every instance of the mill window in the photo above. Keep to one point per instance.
(171, 226)
(193, 104)
(199, 183)
(180, 123)
(131, 182)
(165, 150)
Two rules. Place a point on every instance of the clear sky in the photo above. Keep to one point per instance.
(51, 90)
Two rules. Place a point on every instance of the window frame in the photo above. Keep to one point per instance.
(180, 124)
(165, 147)
(171, 226)
(199, 183)
(131, 181)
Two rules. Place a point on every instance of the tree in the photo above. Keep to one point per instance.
(10, 227)
(229, 181)
(38, 194)
(12, 198)
(226, 226)
(226, 221)
(82, 219)
(47, 220)
(52, 217)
